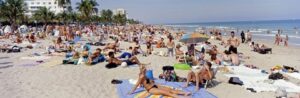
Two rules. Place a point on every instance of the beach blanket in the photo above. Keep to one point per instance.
(125, 87)
(255, 79)
(294, 75)
(35, 58)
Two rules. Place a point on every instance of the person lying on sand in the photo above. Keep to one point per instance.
(115, 61)
(96, 57)
(155, 89)
(111, 46)
(198, 77)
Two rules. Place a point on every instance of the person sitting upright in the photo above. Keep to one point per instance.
(234, 57)
(199, 77)
(160, 43)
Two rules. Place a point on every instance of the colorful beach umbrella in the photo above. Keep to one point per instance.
(194, 38)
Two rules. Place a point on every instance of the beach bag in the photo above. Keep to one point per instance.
(16, 49)
(235, 81)
(170, 75)
(111, 65)
(276, 76)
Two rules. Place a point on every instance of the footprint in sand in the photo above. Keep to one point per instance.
(4, 63)
(6, 66)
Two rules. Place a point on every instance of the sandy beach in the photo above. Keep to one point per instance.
(54, 80)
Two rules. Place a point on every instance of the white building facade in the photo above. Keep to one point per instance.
(33, 5)
(119, 11)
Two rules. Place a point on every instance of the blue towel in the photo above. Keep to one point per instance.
(125, 87)
(76, 39)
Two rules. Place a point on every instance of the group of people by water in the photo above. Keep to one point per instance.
(76, 44)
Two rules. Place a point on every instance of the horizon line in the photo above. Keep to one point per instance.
(226, 21)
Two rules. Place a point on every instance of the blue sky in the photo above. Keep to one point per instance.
(186, 11)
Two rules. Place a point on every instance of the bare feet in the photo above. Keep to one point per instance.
(186, 85)
(197, 88)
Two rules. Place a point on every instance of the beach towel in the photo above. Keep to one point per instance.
(126, 86)
(294, 75)
(258, 81)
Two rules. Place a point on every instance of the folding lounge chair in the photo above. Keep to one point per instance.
(210, 82)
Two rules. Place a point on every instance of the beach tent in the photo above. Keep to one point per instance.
(23, 29)
(7, 29)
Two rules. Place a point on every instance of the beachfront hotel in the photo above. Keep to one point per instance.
(33, 5)
(119, 11)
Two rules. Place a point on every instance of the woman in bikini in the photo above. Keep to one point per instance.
(153, 88)
(198, 77)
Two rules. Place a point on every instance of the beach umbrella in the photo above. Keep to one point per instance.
(194, 38)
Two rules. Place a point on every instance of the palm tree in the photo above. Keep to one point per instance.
(120, 19)
(44, 14)
(87, 8)
(106, 16)
(132, 21)
(74, 17)
(62, 17)
(63, 4)
(12, 10)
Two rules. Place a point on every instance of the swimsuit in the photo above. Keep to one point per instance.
(148, 82)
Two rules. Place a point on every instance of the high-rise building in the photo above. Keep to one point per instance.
(119, 11)
(33, 5)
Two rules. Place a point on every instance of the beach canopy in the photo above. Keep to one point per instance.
(193, 38)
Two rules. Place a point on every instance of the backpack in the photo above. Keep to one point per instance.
(275, 76)
(15, 49)
(168, 74)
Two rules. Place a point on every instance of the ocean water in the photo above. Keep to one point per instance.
(260, 29)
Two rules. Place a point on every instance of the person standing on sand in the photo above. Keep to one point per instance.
(233, 41)
(277, 39)
(249, 36)
(170, 47)
(243, 36)
(286, 40)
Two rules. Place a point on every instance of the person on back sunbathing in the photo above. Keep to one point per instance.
(115, 61)
(96, 57)
(198, 77)
(153, 88)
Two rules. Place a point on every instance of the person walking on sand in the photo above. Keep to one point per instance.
(249, 36)
(170, 47)
(277, 39)
(286, 40)
(243, 37)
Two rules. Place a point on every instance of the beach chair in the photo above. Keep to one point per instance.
(210, 82)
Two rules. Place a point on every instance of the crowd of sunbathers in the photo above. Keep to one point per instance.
(77, 44)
